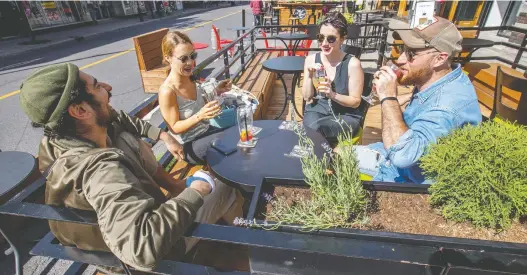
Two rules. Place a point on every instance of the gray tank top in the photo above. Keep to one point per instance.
(187, 108)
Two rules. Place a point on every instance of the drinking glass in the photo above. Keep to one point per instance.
(370, 97)
(319, 76)
(244, 115)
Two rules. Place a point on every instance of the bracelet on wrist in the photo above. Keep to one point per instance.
(389, 98)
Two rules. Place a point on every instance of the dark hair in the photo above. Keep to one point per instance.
(66, 124)
(337, 21)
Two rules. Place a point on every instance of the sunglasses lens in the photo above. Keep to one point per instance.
(332, 39)
(320, 38)
(194, 55)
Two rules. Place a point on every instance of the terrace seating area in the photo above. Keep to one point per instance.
(225, 249)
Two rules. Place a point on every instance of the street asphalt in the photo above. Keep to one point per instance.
(121, 71)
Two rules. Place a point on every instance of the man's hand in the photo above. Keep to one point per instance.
(173, 146)
(385, 81)
(204, 183)
(224, 86)
(202, 187)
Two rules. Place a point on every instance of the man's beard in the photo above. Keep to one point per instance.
(416, 77)
(104, 119)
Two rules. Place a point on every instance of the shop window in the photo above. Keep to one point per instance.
(467, 10)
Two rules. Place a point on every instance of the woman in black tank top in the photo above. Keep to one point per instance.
(340, 96)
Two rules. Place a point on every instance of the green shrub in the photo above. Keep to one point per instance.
(480, 174)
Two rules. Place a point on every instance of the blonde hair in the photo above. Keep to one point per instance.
(171, 40)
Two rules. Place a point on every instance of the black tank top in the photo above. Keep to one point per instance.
(340, 86)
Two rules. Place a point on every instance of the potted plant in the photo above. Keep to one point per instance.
(477, 205)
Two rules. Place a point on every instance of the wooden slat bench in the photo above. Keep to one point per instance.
(259, 81)
(150, 59)
(483, 77)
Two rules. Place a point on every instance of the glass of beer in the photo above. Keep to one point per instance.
(370, 97)
(319, 76)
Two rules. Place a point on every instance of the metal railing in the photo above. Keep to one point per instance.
(373, 38)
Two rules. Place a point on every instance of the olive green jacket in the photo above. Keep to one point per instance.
(136, 220)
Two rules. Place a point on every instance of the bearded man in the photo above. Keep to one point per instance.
(96, 160)
(443, 99)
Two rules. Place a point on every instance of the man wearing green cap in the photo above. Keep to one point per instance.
(95, 160)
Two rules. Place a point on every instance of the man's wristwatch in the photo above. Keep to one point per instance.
(389, 98)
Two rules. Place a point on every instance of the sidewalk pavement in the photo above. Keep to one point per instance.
(10, 47)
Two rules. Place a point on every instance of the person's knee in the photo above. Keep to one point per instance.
(311, 120)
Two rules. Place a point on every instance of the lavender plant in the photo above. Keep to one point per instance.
(337, 198)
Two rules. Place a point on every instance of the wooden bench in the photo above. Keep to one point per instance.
(483, 77)
(259, 82)
(150, 59)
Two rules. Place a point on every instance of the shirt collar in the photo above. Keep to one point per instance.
(426, 93)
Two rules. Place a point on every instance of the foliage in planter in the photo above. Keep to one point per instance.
(337, 198)
(480, 174)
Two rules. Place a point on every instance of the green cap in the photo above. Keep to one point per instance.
(46, 94)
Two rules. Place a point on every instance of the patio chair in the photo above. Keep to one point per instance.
(266, 43)
(355, 51)
(220, 43)
(516, 86)
(312, 32)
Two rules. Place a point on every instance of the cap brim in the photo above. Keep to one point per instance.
(410, 38)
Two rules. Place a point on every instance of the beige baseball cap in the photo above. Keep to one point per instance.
(438, 33)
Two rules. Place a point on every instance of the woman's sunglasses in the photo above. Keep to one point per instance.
(185, 58)
(330, 38)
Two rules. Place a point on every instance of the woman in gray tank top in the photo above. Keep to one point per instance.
(340, 95)
(182, 101)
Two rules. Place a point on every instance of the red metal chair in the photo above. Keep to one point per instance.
(264, 35)
(221, 42)
(306, 44)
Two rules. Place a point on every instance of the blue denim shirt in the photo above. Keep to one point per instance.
(449, 103)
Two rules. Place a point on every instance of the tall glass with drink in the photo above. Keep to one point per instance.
(370, 97)
(319, 76)
(244, 115)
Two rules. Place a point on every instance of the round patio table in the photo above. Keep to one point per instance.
(297, 37)
(287, 65)
(238, 29)
(247, 168)
(473, 44)
(15, 168)
(199, 46)
(476, 43)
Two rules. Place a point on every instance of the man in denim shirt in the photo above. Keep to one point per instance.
(443, 100)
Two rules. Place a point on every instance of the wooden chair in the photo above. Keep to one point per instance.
(150, 59)
(293, 21)
(220, 43)
(514, 85)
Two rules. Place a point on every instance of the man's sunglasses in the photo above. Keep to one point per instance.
(410, 54)
(330, 38)
(185, 58)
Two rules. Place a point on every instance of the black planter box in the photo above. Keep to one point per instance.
(367, 251)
